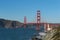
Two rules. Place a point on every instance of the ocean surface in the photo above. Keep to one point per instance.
(18, 33)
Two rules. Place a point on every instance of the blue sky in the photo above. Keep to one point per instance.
(17, 9)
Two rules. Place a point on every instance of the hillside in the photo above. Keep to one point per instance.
(53, 34)
(9, 23)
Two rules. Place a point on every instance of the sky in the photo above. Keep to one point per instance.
(17, 9)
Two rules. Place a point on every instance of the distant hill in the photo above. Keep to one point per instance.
(9, 23)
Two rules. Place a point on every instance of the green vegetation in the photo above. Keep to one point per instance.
(53, 34)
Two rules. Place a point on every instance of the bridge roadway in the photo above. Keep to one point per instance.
(51, 24)
(42, 24)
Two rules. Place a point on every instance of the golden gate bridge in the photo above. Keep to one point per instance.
(47, 26)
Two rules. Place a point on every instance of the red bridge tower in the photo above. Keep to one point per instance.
(24, 21)
(38, 20)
